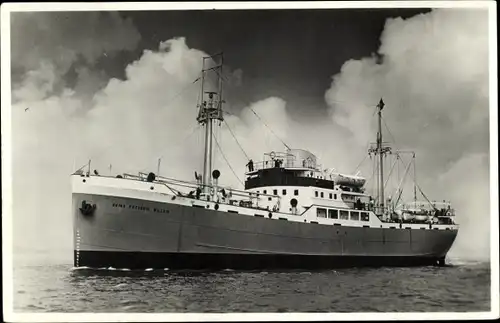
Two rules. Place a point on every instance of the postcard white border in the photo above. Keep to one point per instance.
(10, 316)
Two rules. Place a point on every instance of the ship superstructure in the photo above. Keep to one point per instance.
(291, 213)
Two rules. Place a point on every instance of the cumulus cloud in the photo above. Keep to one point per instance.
(434, 80)
(131, 123)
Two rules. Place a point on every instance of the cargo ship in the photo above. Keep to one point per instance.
(291, 212)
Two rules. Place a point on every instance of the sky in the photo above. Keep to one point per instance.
(117, 88)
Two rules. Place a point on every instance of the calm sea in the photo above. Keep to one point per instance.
(459, 287)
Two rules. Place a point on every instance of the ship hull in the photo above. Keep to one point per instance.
(137, 234)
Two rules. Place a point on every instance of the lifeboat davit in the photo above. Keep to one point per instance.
(349, 180)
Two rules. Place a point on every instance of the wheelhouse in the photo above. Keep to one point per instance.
(296, 167)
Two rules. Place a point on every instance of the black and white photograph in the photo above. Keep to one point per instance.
(221, 161)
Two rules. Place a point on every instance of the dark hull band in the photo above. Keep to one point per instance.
(160, 260)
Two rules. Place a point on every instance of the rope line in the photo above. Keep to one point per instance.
(227, 162)
(239, 145)
(106, 149)
(183, 139)
(181, 92)
(388, 130)
(193, 130)
(284, 144)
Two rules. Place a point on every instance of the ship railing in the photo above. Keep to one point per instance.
(436, 209)
(169, 182)
(267, 164)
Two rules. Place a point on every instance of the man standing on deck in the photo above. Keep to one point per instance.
(250, 165)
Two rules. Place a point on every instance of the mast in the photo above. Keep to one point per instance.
(210, 109)
(380, 106)
(414, 180)
(380, 149)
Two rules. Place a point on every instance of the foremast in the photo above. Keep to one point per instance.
(210, 110)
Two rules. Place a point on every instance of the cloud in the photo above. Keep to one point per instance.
(467, 185)
(434, 80)
(151, 113)
(60, 40)
(61, 37)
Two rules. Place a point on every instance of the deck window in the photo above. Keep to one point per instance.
(354, 216)
(333, 214)
(296, 192)
(321, 194)
(365, 216)
(265, 191)
(275, 192)
(344, 215)
(284, 192)
(334, 196)
(316, 193)
(321, 213)
(330, 196)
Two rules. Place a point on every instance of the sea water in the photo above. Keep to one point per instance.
(461, 286)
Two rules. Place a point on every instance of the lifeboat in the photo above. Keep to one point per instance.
(415, 214)
(349, 180)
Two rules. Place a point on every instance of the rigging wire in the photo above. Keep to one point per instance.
(431, 204)
(258, 117)
(227, 162)
(193, 130)
(182, 140)
(239, 145)
(284, 144)
(390, 173)
(182, 91)
(255, 113)
(373, 174)
(388, 130)
(368, 145)
(400, 193)
(224, 78)
(366, 156)
(106, 149)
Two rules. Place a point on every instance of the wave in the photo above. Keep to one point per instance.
(465, 262)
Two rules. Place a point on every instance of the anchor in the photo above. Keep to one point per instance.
(87, 208)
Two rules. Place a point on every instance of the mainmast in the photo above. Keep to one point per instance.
(210, 109)
(380, 149)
